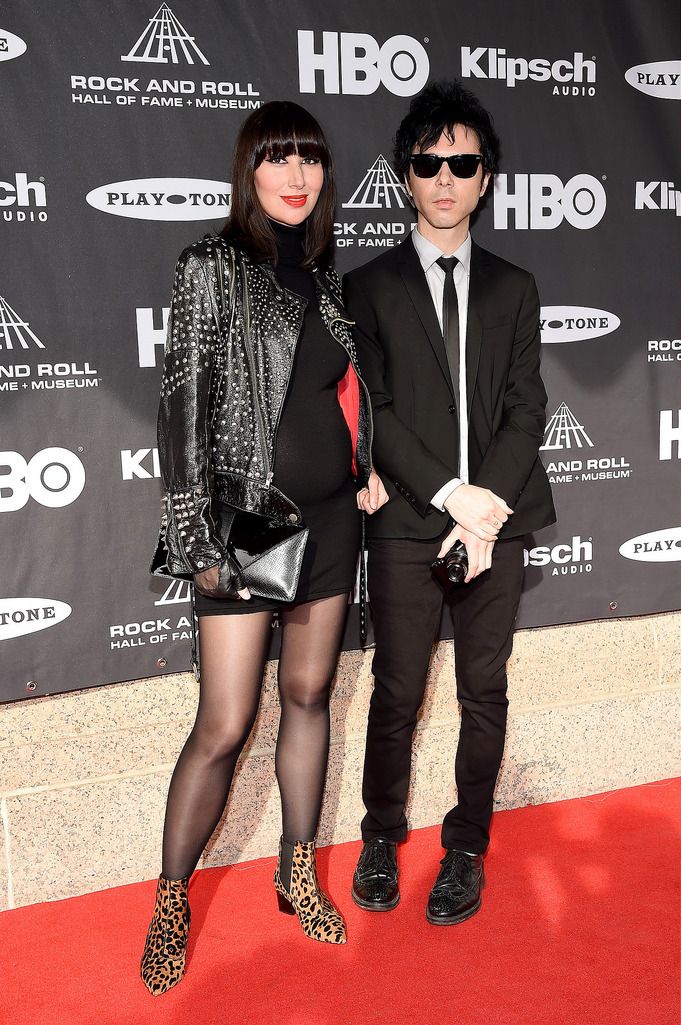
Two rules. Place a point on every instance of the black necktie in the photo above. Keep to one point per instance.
(450, 321)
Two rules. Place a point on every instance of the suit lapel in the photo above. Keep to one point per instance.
(419, 293)
(476, 293)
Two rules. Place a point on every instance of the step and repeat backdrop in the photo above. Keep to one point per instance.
(118, 125)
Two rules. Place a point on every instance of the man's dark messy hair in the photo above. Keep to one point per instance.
(436, 109)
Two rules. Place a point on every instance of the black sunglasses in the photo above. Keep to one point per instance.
(462, 165)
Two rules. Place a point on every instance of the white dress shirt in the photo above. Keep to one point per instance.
(429, 254)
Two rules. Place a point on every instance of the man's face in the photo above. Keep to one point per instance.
(446, 202)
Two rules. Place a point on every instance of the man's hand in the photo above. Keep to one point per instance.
(479, 552)
(373, 496)
(478, 510)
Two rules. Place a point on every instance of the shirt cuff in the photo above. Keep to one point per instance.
(441, 496)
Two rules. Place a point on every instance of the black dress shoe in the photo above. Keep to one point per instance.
(374, 884)
(457, 893)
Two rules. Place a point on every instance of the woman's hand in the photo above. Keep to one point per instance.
(208, 583)
(372, 497)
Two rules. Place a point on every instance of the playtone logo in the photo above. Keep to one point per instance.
(543, 201)
(660, 78)
(353, 63)
(164, 199)
(657, 546)
(493, 62)
(23, 200)
(566, 559)
(11, 46)
(165, 40)
(19, 616)
(560, 324)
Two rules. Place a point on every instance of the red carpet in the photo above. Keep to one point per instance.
(579, 926)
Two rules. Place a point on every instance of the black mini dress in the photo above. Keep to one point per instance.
(313, 452)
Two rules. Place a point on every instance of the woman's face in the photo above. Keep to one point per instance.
(288, 187)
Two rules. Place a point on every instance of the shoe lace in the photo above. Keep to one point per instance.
(378, 861)
(456, 873)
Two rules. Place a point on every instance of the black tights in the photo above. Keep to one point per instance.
(233, 653)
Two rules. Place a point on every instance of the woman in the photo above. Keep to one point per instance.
(262, 412)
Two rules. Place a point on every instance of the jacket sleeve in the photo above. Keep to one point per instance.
(397, 451)
(184, 420)
(514, 449)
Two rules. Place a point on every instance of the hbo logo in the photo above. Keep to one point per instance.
(543, 201)
(54, 477)
(357, 61)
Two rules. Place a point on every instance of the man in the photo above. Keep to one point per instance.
(448, 341)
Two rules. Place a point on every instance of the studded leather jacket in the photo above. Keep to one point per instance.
(232, 336)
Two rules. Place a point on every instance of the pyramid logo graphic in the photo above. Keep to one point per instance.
(176, 593)
(164, 41)
(15, 332)
(563, 431)
(380, 187)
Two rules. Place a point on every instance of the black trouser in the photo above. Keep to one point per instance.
(406, 605)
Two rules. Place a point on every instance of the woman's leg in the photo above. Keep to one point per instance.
(311, 638)
(233, 652)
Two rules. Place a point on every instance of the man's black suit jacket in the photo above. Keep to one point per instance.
(403, 361)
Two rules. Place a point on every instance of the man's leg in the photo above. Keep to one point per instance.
(484, 613)
(406, 604)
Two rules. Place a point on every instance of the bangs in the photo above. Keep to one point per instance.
(286, 129)
(433, 132)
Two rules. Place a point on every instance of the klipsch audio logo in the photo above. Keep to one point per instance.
(659, 78)
(53, 477)
(565, 432)
(23, 200)
(354, 63)
(573, 76)
(164, 199)
(670, 434)
(133, 464)
(164, 43)
(11, 46)
(543, 201)
(379, 189)
(17, 336)
(19, 616)
(565, 559)
(575, 323)
(657, 546)
(658, 195)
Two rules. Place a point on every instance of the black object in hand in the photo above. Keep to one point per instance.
(453, 569)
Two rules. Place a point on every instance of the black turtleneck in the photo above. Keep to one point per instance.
(290, 255)
(313, 452)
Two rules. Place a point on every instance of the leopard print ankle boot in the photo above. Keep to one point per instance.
(163, 959)
(319, 919)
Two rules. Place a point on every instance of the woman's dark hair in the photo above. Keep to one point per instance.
(279, 128)
(436, 109)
